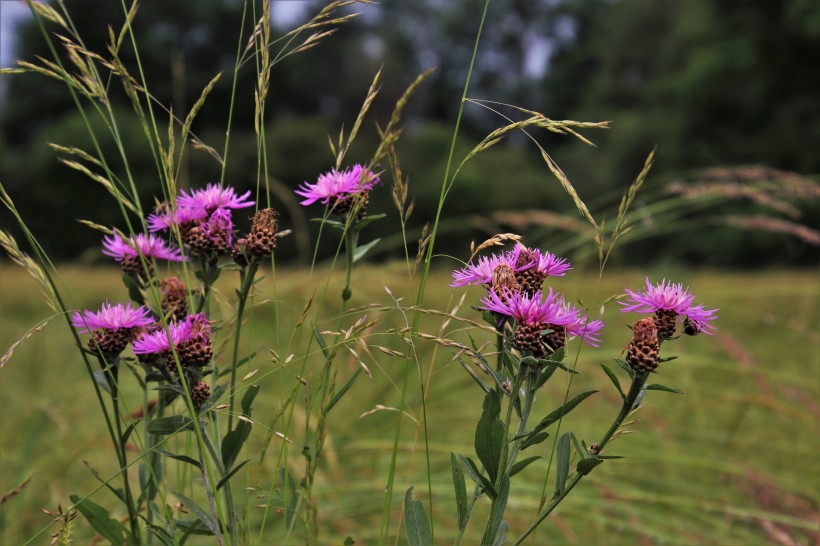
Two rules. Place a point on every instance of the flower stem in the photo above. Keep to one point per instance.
(634, 391)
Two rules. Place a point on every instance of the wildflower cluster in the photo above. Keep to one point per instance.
(342, 192)
(543, 320)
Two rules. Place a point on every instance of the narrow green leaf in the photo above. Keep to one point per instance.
(626, 367)
(476, 474)
(659, 387)
(182, 458)
(489, 435)
(230, 474)
(501, 535)
(562, 468)
(543, 376)
(562, 411)
(534, 439)
(97, 516)
(102, 380)
(197, 510)
(585, 466)
(321, 341)
(522, 464)
(581, 452)
(614, 379)
(499, 506)
(117, 492)
(161, 535)
(343, 390)
(370, 218)
(667, 359)
(469, 467)
(416, 522)
(233, 441)
(461, 491)
(247, 399)
(290, 496)
(163, 426)
(362, 250)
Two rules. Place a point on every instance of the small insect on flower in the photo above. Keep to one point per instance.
(670, 303)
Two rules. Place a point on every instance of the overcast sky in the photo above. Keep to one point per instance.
(283, 12)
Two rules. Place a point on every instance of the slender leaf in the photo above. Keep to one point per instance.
(614, 379)
(626, 367)
(659, 387)
(499, 506)
(230, 474)
(562, 468)
(233, 441)
(534, 439)
(489, 435)
(321, 340)
(522, 464)
(163, 426)
(362, 250)
(198, 511)
(369, 219)
(461, 491)
(97, 516)
(247, 399)
(343, 390)
(181, 458)
(117, 492)
(485, 483)
(561, 412)
(101, 380)
(416, 522)
(585, 466)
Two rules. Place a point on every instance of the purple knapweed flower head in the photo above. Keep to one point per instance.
(213, 197)
(161, 340)
(483, 271)
(112, 327)
(528, 309)
(219, 227)
(165, 218)
(670, 302)
(112, 317)
(546, 264)
(582, 327)
(338, 185)
(147, 245)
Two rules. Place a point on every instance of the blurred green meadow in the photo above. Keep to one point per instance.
(733, 461)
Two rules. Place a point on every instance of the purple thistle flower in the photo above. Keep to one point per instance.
(526, 309)
(338, 184)
(481, 272)
(166, 219)
(666, 296)
(199, 326)
(582, 327)
(157, 342)
(544, 263)
(148, 245)
(213, 197)
(111, 317)
(219, 227)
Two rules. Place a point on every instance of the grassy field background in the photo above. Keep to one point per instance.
(734, 461)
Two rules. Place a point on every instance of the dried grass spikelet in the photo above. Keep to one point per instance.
(496, 240)
(36, 329)
(9, 244)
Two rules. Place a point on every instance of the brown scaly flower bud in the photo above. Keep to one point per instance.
(262, 238)
(173, 301)
(557, 338)
(665, 321)
(528, 339)
(197, 349)
(110, 342)
(531, 279)
(239, 252)
(200, 394)
(504, 280)
(643, 351)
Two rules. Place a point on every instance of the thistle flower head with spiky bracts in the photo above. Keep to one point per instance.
(535, 266)
(341, 191)
(128, 252)
(670, 303)
(261, 240)
(643, 352)
(483, 270)
(190, 337)
(533, 314)
(173, 298)
(112, 327)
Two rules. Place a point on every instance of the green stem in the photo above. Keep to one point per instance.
(111, 369)
(635, 390)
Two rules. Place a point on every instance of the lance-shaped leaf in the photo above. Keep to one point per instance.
(416, 522)
(461, 490)
(489, 435)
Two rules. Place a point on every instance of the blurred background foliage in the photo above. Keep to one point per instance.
(714, 84)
